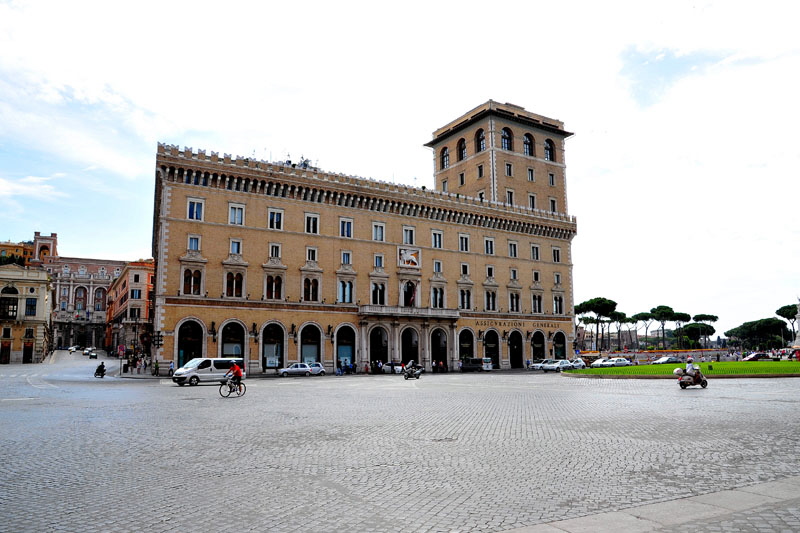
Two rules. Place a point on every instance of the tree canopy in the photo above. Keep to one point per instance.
(761, 334)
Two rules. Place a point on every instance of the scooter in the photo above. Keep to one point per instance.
(99, 374)
(413, 371)
(686, 380)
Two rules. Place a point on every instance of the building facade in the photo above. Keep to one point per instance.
(129, 315)
(16, 251)
(24, 314)
(279, 263)
(80, 289)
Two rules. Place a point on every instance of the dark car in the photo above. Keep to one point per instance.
(758, 357)
(667, 359)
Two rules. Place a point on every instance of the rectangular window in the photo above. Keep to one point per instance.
(465, 269)
(378, 296)
(488, 246)
(63, 306)
(461, 179)
(378, 231)
(346, 228)
(378, 261)
(532, 201)
(536, 303)
(536, 276)
(530, 175)
(236, 215)
(194, 243)
(275, 217)
(134, 312)
(513, 273)
(490, 298)
(556, 255)
(30, 307)
(557, 278)
(346, 258)
(195, 210)
(513, 302)
(64, 292)
(552, 178)
(311, 254)
(512, 249)
(408, 235)
(534, 252)
(6, 333)
(489, 271)
(444, 186)
(509, 169)
(312, 224)
(437, 266)
(465, 299)
(463, 242)
(480, 171)
(558, 305)
(236, 246)
(136, 278)
(510, 197)
(275, 250)
(436, 239)
(136, 294)
(553, 205)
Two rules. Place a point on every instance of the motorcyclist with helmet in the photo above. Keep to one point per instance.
(691, 369)
(100, 370)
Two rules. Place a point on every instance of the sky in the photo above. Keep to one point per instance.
(682, 173)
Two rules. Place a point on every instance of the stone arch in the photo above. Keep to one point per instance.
(409, 345)
(190, 340)
(273, 345)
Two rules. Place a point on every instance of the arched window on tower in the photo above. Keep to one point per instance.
(549, 150)
(527, 144)
(480, 141)
(507, 140)
(445, 159)
(461, 149)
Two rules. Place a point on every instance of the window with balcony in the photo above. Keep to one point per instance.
(437, 297)
(378, 294)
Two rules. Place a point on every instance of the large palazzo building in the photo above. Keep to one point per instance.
(281, 263)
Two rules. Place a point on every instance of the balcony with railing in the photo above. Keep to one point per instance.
(407, 312)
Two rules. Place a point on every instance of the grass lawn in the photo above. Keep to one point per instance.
(709, 369)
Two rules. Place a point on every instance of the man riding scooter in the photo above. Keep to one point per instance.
(693, 370)
(101, 370)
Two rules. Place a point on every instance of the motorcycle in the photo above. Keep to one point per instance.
(687, 380)
(413, 371)
(99, 374)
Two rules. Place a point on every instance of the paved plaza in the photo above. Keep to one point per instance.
(504, 451)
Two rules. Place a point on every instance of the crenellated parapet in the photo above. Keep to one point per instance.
(255, 175)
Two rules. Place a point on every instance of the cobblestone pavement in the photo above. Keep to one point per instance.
(449, 452)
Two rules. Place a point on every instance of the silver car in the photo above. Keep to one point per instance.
(297, 369)
(317, 369)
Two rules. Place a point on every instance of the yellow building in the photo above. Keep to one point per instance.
(16, 250)
(281, 262)
(24, 314)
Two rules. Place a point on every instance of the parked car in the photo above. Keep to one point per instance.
(557, 366)
(205, 369)
(392, 368)
(599, 363)
(536, 362)
(758, 357)
(618, 361)
(578, 363)
(667, 359)
(297, 369)
(317, 369)
(538, 366)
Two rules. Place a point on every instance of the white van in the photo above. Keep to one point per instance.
(205, 369)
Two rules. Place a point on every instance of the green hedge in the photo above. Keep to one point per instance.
(709, 369)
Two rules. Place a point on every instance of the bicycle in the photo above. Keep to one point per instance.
(228, 387)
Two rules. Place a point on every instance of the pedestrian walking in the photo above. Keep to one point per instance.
(171, 368)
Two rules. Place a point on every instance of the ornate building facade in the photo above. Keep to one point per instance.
(280, 263)
(80, 289)
(129, 314)
(24, 314)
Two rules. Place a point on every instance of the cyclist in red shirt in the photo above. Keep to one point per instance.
(236, 372)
